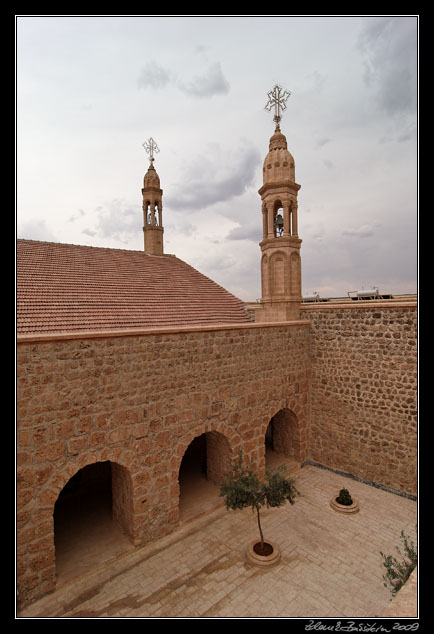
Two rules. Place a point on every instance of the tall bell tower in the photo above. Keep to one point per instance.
(280, 245)
(152, 205)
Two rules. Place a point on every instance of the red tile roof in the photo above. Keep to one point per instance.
(67, 288)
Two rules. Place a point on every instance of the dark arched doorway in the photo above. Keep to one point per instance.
(88, 520)
(282, 441)
(203, 465)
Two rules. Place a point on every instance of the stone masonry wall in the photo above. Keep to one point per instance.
(364, 392)
(348, 378)
(138, 400)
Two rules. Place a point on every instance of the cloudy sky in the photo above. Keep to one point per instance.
(92, 89)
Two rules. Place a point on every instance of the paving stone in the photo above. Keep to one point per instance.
(331, 565)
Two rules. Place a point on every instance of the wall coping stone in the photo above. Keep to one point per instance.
(358, 304)
(166, 330)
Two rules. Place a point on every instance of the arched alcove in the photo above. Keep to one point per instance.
(91, 518)
(282, 440)
(278, 267)
(295, 276)
(206, 459)
(278, 211)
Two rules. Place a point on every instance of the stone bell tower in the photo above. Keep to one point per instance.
(152, 205)
(280, 245)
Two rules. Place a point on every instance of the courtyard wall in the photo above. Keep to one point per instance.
(347, 373)
(363, 417)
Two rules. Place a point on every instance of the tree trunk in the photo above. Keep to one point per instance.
(260, 529)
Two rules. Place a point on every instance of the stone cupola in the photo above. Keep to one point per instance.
(279, 163)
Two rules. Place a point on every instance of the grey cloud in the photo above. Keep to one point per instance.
(207, 85)
(389, 48)
(117, 220)
(89, 232)
(407, 130)
(186, 229)
(211, 83)
(210, 264)
(386, 139)
(214, 178)
(245, 232)
(322, 142)
(329, 164)
(73, 218)
(154, 76)
(318, 80)
(365, 231)
(36, 230)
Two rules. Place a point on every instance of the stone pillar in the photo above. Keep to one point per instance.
(294, 219)
(270, 221)
(264, 222)
(286, 220)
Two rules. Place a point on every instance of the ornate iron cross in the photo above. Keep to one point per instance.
(151, 147)
(277, 98)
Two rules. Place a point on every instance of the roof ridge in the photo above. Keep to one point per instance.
(85, 246)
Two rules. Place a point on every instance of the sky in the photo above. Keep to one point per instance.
(90, 90)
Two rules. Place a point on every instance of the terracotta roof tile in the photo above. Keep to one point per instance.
(65, 287)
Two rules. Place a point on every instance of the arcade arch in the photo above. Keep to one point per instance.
(92, 517)
(282, 440)
(206, 459)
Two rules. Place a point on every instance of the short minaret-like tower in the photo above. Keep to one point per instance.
(280, 245)
(152, 205)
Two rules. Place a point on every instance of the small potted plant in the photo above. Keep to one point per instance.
(242, 488)
(344, 502)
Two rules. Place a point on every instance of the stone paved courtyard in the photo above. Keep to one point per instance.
(330, 567)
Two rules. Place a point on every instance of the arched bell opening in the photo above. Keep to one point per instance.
(282, 441)
(202, 467)
(278, 220)
(91, 519)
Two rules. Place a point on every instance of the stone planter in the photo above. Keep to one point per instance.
(344, 508)
(271, 558)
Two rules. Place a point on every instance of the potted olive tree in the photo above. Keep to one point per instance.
(242, 488)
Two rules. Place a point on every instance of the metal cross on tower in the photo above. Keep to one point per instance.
(151, 147)
(277, 98)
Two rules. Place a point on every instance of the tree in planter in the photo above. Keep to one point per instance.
(242, 488)
(344, 497)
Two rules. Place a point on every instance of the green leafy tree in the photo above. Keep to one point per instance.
(242, 488)
(399, 571)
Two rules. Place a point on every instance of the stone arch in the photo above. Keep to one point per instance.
(277, 204)
(285, 435)
(147, 211)
(205, 457)
(219, 452)
(98, 495)
(157, 222)
(278, 209)
(62, 475)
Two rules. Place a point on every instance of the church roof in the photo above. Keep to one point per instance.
(69, 288)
